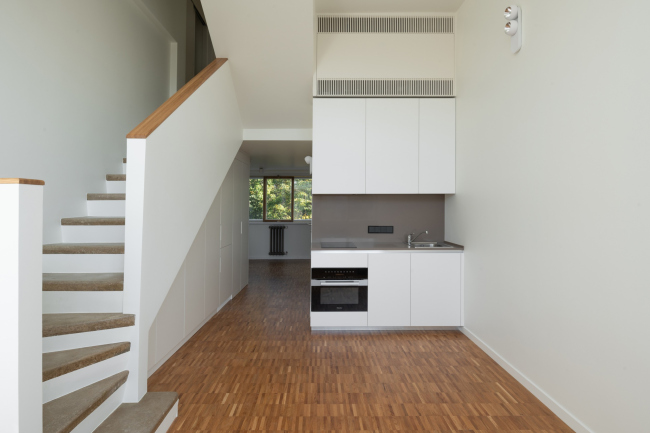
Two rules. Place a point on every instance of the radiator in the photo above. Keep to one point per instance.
(277, 241)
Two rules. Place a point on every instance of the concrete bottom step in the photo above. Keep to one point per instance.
(64, 414)
(143, 417)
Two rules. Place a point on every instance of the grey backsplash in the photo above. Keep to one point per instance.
(347, 217)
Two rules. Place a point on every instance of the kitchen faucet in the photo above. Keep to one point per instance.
(410, 239)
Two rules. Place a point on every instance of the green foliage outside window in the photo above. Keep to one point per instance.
(278, 199)
(256, 199)
(302, 199)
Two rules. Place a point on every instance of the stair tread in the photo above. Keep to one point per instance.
(65, 413)
(57, 364)
(75, 323)
(124, 160)
(93, 221)
(98, 248)
(108, 282)
(105, 196)
(116, 177)
(142, 417)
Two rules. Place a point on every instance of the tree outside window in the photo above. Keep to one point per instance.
(281, 198)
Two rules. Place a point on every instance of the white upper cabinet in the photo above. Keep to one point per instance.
(436, 289)
(437, 150)
(339, 146)
(392, 146)
(384, 146)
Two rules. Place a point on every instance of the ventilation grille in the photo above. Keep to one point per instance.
(385, 24)
(385, 88)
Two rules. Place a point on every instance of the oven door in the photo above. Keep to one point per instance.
(339, 295)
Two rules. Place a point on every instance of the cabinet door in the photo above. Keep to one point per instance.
(245, 211)
(435, 289)
(225, 280)
(389, 289)
(339, 146)
(237, 226)
(437, 160)
(392, 146)
(226, 209)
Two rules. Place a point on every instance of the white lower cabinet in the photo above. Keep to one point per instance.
(337, 319)
(436, 289)
(389, 289)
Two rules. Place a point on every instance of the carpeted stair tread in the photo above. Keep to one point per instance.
(93, 221)
(57, 364)
(65, 413)
(142, 417)
(105, 196)
(74, 323)
(109, 282)
(67, 248)
(116, 177)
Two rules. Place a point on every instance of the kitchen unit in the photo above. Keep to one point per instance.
(406, 287)
(384, 156)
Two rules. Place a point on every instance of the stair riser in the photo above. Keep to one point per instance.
(62, 385)
(104, 410)
(169, 419)
(82, 302)
(116, 187)
(87, 339)
(92, 234)
(84, 263)
(107, 208)
(123, 168)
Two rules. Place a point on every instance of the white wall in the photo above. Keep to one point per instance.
(270, 46)
(77, 76)
(172, 16)
(297, 240)
(206, 281)
(552, 202)
(174, 177)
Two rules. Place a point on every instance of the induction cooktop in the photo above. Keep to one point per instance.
(337, 245)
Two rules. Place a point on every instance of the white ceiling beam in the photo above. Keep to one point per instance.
(277, 134)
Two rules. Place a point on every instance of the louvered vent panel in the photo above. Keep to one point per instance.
(386, 88)
(385, 24)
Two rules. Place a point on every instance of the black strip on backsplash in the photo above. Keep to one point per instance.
(380, 229)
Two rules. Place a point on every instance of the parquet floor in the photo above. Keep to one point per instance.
(257, 367)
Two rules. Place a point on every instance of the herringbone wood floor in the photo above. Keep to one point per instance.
(257, 367)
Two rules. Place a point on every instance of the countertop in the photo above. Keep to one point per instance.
(376, 247)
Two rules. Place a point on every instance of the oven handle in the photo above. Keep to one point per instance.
(342, 283)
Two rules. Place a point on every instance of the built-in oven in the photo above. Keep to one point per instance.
(339, 289)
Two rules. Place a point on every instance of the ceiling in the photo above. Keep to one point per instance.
(386, 6)
(270, 49)
(278, 155)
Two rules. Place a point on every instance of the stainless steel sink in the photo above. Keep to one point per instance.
(430, 245)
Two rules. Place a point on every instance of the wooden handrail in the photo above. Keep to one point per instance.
(20, 181)
(155, 119)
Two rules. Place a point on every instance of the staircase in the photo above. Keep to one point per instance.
(86, 336)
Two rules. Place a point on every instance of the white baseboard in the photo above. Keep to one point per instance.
(267, 257)
(538, 392)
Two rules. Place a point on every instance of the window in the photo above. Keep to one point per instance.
(280, 199)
